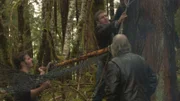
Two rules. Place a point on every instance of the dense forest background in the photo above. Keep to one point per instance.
(57, 30)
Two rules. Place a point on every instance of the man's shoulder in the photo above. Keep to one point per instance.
(135, 56)
(116, 60)
(127, 56)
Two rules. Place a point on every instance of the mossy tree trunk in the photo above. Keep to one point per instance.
(64, 9)
(25, 42)
(47, 50)
(4, 53)
(3, 34)
(150, 29)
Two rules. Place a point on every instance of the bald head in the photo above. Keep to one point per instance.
(120, 44)
(120, 37)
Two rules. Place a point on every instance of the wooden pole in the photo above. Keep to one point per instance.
(83, 57)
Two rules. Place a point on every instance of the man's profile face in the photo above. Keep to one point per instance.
(103, 19)
(28, 61)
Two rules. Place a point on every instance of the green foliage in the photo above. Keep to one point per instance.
(74, 89)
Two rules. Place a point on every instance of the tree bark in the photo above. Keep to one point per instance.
(89, 36)
(80, 30)
(4, 57)
(20, 10)
(69, 28)
(24, 31)
(47, 49)
(55, 17)
(150, 29)
(98, 5)
(64, 9)
(111, 8)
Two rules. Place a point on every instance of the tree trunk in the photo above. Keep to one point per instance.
(64, 9)
(111, 8)
(27, 30)
(69, 28)
(4, 53)
(47, 49)
(20, 10)
(150, 29)
(55, 17)
(98, 5)
(89, 36)
(25, 42)
(77, 47)
(77, 6)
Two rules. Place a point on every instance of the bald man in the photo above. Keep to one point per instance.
(128, 77)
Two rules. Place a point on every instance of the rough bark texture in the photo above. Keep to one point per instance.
(98, 4)
(4, 53)
(64, 9)
(69, 28)
(55, 17)
(21, 24)
(77, 47)
(4, 57)
(111, 8)
(25, 42)
(89, 36)
(47, 50)
(150, 29)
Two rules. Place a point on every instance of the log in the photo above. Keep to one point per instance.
(83, 57)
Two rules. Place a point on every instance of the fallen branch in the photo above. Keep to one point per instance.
(83, 57)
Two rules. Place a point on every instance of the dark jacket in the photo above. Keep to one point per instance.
(105, 33)
(22, 84)
(129, 78)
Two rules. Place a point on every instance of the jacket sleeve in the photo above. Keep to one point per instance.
(112, 81)
(152, 81)
(106, 30)
(119, 12)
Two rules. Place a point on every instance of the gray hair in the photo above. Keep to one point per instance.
(120, 45)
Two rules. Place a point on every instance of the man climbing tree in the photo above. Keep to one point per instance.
(105, 30)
